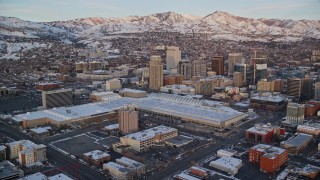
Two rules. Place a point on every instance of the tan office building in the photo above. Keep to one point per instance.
(233, 58)
(128, 120)
(218, 65)
(173, 57)
(155, 73)
(237, 79)
(199, 68)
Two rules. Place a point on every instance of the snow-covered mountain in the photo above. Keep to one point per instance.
(219, 25)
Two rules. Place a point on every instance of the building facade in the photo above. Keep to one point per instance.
(270, 158)
(295, 113)
(185, 68)
(217, 65)
(237, 79)
(128, 120)
(113, 84)
(233, 58)
(199, 68)
(57, 98)
(173, 57)
(155, 73)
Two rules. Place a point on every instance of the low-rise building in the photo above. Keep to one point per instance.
(117, 171)
(112, 127)
(60, 176)
(185, 176)
(39, 133)
(104, 96)
(136, 167)
(226, 152)
(96, 157)
(113, 84)
(134, 93)
(273, 103)
(3, 153)
(262, 133)
(197, 171)
(27, 152)
(269, 157)
(297, 143)
(310, 171)
(35, 176)
(228, 164)
(312, 129)
(143, 140)
(9, 171)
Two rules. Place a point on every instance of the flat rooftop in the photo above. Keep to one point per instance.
(297, 140)
(36, 176)
(228, 162)
(130, 162)
(270, 151)
(269, 98)
(112, 126)
(7, 169)
(179, 140)
(117, 167)
(150, 133)
(39, 130)
(96, 154)
(203, 111)
(260, 129)
(312, 127)
(132, 90)
(186, 176)
(60, 176)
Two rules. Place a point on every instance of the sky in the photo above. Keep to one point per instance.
(55, 10)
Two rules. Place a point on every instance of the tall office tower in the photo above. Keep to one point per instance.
(237, 79)
(233, 58)
(199, 68)
(57, 98)
(300, 88)
(243, 69)
(217, 65)
(173, 57)
(295, 113)
(128, 120)
(307, 91)
(277, 85)
(317, 91)
(185, 68)
(315, 55)
(155, 73)
(261, 72)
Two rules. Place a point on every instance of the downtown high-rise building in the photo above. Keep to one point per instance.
(217, 65)
(185, 68)
(199, 68)
(233, 58)
(300, 88)
(155, 73)
(128, 120)
(173, 57)
(237, 79)
(317, 91)
(295, 113)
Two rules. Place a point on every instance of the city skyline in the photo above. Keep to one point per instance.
(35, 10)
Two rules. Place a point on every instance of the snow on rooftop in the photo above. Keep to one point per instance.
(2, 148)
(261, 129)
(269, 98)
(36, 176)
(228, 162)
(115, 166)
(60, 176)
(112, 127)
(132, 90)
(39, 130)
(130, 162)
(185, 176)
(160, 103)
(96, 154)
(150, 133)
(297, 140)
(312, 127)
(270, 151)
